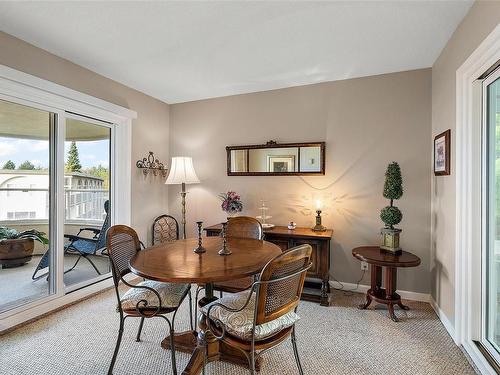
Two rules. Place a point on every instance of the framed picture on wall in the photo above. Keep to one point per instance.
(442, 153)
(281, 164)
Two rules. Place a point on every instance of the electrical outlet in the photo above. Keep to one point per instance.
(364, 266)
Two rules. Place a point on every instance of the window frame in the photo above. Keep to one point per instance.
(26, 89)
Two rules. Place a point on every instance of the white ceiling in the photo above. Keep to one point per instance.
(183, 51)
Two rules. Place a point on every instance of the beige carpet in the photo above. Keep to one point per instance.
(335, 340)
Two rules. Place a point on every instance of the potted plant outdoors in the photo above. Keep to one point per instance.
(391, 215)
(16, 248)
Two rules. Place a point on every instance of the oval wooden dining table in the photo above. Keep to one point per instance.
(177, 262)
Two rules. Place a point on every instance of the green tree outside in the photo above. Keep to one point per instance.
(73, 162)
(101, 172)
(9, 164)
(27, 165)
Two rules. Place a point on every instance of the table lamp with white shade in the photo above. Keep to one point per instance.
(182, 173)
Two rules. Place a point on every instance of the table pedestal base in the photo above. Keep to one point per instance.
(381, 297)
(188, 342)
(387, 295)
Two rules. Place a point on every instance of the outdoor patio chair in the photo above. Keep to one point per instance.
(84, 247)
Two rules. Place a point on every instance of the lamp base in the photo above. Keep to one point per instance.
(319, 228)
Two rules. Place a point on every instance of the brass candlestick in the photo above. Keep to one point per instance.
(318, 227)
(200, 249)
(225, 250)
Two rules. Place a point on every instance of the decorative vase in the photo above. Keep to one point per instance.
(231, 214)
(390, 240)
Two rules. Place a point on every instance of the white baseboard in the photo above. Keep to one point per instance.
(444, 319)
(412, 296)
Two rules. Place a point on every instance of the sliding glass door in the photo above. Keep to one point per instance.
(491, 253)
(86, 200)
(26, 217)
(55, 202)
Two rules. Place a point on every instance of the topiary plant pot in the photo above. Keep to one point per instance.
(390, 240)
(16, 252)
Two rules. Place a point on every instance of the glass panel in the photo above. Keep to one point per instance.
(274, 160)
(86, 188)
(24, 203)
(310, 159)
(493, 252)
(239, 161)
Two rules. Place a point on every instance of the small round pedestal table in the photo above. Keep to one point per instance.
(378, 258)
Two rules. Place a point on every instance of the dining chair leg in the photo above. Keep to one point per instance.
(252, 362)
(204, 361)
(172, 340)
(172, 351)
(191, 311)
(198, 290)
(117, 347)
(138, 338)
(296, 352)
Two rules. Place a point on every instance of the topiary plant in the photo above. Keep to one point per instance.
(393, 189)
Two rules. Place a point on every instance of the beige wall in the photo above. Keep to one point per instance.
(150, 130)
(479, 22)
(366, 123)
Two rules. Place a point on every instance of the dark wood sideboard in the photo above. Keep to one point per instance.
(317, 286)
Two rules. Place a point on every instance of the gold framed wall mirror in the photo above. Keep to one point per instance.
(276, 159)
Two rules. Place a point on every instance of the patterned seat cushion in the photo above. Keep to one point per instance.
(240, 323)
(171, 295)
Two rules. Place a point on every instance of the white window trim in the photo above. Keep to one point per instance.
(468, 195)
(28, 88)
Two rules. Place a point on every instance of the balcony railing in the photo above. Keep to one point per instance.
(32, 204)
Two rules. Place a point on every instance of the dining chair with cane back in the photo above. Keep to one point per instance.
(258, 319)
(147, 299)
(165, 229)
(240, 227)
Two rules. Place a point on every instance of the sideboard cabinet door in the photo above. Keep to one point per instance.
(314, 271)
(283, 243)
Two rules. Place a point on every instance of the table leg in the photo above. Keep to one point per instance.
(391, 279)
(376, 282)
(376, 277)
(209, 295)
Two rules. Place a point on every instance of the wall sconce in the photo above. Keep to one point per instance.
(150, 164)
